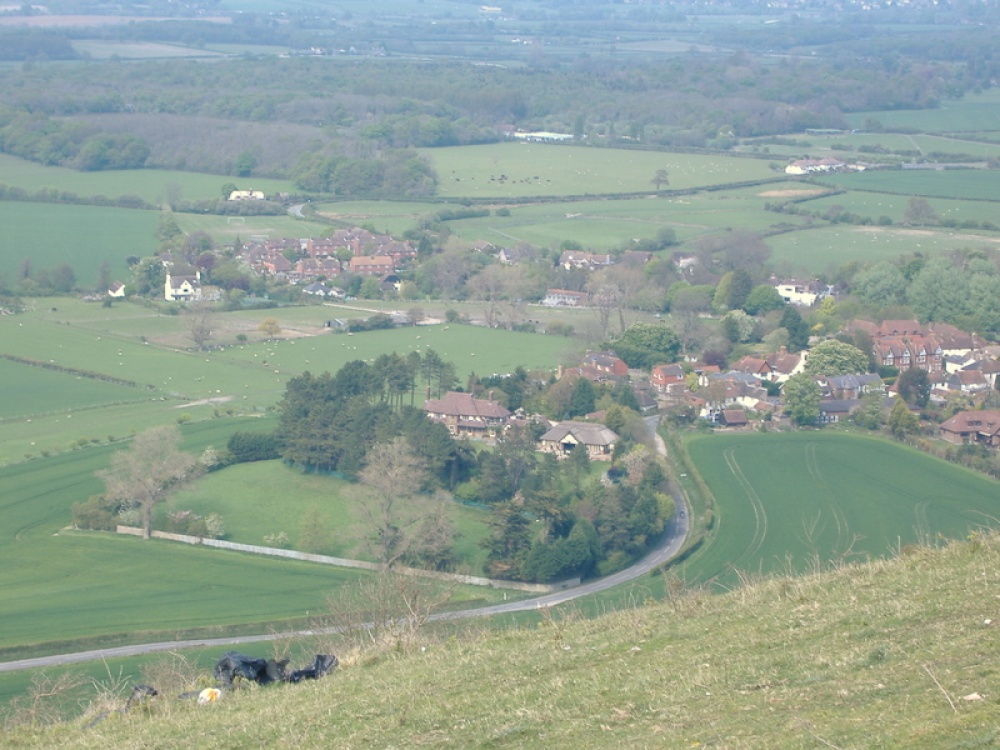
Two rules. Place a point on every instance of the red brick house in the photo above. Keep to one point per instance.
(468, 417)
(981, 427)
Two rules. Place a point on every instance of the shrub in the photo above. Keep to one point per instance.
(253, 446)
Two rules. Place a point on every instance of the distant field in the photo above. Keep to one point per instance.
(50, 234)
(975, 112)
(818, 250)
(152, 185)
(787, 501)
(534, 169)
(975, 184)
(239, 379)
(104, 50)
(226, 229)
(874, 205)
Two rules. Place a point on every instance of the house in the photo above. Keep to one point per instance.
(246, 195)
(668, 379)
(851, 386)
(182, 287)
(468, 417)
(565, 298)
(801, 293)
(372, 265)
(734, 418)
(598, 440)
(784, 364)
(981, 427)
(607, 362)
(968, 381)
(316, 289)
(836, 410)
(586, 261)
(117, 290)
(755, 366)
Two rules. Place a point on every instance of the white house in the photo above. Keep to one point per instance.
(182, 287)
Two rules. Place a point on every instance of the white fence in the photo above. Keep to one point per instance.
(254, 549)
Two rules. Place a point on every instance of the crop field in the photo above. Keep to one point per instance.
(60, 584)
(152, 185)
(972, 184)
(975, 112)
(83, 236)
(517, 170)
(785, 502)
(818, 250)
(268, 497)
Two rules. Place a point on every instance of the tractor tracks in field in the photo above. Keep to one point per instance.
(756, 504)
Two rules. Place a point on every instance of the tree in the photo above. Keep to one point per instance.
(763, 298)
(914, 387)
(200, 320)
(269, 327)
(869, 412)
(798, 329)
(148, 472)
(833, 357)
(801, 395)
(394, 476)
(647, 344)
(919, 212)
(880, 284)
(902, 421)
(737, 326)
(660, 178)
(583, 398)
(733, 290)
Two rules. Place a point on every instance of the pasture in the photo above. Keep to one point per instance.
(226, 229)
(152, 185)
(41, 391)
(829, 247)
(84, 236)
(518, 170)
(876, 205)
(789, 502)
(175, 382)
(61, 585)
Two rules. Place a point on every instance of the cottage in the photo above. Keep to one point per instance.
(565, 437)
(182, 287)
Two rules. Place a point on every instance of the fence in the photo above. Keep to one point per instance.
(254, 549)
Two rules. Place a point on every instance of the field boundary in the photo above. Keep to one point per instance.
(254, 549)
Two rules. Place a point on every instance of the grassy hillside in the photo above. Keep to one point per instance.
(890, 655)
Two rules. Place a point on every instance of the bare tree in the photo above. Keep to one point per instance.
(397, 509)
(489, 285)
(145, 475)
(200, 321)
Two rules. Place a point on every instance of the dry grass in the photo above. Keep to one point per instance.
(897, 654)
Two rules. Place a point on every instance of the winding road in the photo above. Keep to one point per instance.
(667, 548)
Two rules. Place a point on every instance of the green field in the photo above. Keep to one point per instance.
(84, 236)
(61, 585)
(131, 342)
(828, 248)
(788, 502)
(152, 185)
(41, 391)
(972, 184)
(974, 113)
(535, 169)
(875, 205)
(267, 497)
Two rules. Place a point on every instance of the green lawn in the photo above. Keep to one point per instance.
(788, 501)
